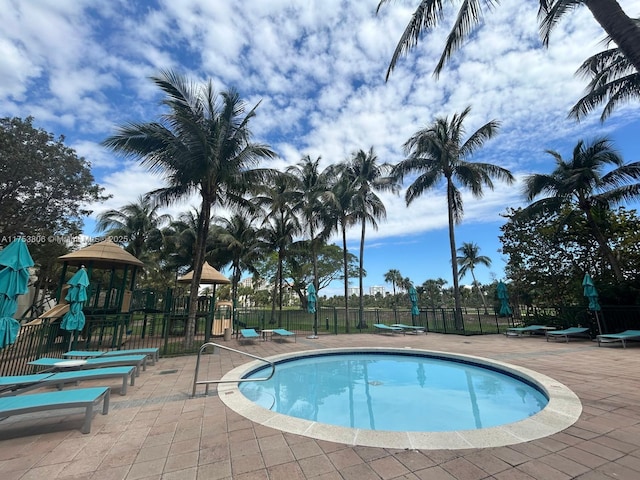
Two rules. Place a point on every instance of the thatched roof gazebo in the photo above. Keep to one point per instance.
(105, 255)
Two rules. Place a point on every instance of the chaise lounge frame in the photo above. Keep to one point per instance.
(85, 398)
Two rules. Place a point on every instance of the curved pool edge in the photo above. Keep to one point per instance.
(562, 411)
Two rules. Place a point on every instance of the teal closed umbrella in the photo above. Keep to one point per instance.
(15, 261)
(312, 299)
(76, 296)
(413, 296)
(592, 295)
(503, 296)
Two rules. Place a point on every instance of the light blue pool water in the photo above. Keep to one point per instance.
(395, 392)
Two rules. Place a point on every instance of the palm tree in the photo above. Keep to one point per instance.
(237, 235)
(202, 144)
(366, 176)
(339, 205)
(438, 153)
(139, 222)
(280, 225)
(394, 277)
(468, 260)
(312, 184)
(429, 13)
(582, 184)
(614, 81)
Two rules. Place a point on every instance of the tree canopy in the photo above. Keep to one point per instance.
(45, 186)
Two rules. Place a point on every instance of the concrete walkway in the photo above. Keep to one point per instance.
(157, 432)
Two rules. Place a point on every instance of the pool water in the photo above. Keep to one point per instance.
(395, 392)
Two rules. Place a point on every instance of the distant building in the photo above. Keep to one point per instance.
(353, 291)
(376, 289)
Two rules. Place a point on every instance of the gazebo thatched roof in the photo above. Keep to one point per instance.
(210, 276)
(105, 254)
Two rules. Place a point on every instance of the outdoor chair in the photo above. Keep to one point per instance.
(18, 384)
(382, 328)
(531, 329)
(152, 353)
(578, 332)
(619, 337)
(414, 329)
(81, 397)
(249, 334)
(281, 332)
(51, 364)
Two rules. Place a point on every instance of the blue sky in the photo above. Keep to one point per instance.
(80, 68)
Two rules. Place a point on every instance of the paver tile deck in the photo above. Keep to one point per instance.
(158, 431)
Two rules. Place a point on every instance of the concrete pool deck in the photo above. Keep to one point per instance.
(157, 432)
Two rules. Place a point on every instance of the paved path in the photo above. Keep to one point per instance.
(157, 432)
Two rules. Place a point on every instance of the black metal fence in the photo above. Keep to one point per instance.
(167, 330)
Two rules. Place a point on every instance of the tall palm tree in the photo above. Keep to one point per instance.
(312, 185)
(468, 260)
(430, 13)
(280, 225)
(438, 153)
(339, 205)
(139, 222)
(237, 235)
(200, 145)
(394, 277)
(367, 176)
(582, 184)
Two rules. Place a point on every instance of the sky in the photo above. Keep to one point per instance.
(81, 68)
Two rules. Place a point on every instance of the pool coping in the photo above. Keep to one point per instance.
(562, 411)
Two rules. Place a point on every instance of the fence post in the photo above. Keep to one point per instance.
(335, 320)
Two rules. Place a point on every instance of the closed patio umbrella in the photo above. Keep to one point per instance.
(592, 295)
(15, 261)
(312, 300)
(503, 296)
(76, 296)
(413, 296)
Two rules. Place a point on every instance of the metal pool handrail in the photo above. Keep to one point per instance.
(204, 346)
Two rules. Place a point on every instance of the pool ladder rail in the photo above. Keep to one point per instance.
(204, 346)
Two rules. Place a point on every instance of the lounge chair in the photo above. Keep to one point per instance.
(281, 332)
(531, 329)
(74, 398)
(382, 328)
(568, 332)
(619, 337)
(122, 360)
(415, 329)
(18, 384)
(248, 334)
(152, 353)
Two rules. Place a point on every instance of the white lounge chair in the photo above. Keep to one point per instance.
(415, 329)
(530, 329)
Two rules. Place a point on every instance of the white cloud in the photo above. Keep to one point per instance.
(80, 68)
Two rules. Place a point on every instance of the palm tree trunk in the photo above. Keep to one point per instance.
(346, 277)
(361, 323)
(198, 260)
(622, 29)
(454, 262)
(279, 275)
(484, 301)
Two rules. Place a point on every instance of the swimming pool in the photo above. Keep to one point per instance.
(561, 411)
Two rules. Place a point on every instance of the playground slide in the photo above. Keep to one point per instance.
(56, 312)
